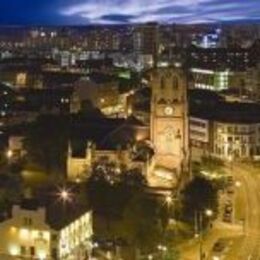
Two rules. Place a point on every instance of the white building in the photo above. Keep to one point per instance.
(75, 239)
(26, 234)
(236, 140)
(230, 131)
(199, 134)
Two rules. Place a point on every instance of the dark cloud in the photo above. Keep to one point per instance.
(123, 11)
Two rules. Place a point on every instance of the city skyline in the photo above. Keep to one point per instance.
(79, 12)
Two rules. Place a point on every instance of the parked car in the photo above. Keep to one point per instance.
(219, 249)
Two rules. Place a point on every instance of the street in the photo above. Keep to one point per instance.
(244, 231)
(248, 247)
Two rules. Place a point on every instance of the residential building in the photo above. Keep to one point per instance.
(26, 234)
(227, 130)
(31, 233)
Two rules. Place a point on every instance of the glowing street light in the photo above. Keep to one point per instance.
(198, 227)
(168, 200)
(65, 195)
(238, 184)
(9, 154)
(208, 212)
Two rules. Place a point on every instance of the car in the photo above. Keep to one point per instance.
(227, 217)
(230, 190)
(219, 248)
(230, 179)
(228, 203)
(228, 209)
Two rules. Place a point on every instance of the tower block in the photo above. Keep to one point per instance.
(169, 123)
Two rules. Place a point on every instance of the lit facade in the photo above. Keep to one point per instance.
(102, 95)
(236, 140)
(79, 168)
(75, 239)
(225, 140)
(169, 122)
(25, 235)
(212, 80)
(199, 134)
(253, 83)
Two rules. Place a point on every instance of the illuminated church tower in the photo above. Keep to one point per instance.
(169, 123)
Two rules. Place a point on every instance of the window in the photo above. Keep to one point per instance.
(162, 83)
(197, 123)
(32, 250)
(175, 83)
(54, 253)
(230, 129)
(230, 139)
(237, 139)
(53, 237)
(243, 150)
(27, 221)
(23, 250)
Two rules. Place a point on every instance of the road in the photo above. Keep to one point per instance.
(245, 235)
(248, 247)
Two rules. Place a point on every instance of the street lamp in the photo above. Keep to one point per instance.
(163, 249)
(208, 212)
(168, 200)
(198, 227)
(238, 184)
(9, 154)
(65, 195)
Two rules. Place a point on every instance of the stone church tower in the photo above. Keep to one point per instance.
(169, 122)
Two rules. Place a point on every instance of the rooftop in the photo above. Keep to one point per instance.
(229, 112)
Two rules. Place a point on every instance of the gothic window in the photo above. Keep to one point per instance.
(162, 83)
(175, 82)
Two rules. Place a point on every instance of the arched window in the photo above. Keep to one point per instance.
(162, 83)
(175, 82)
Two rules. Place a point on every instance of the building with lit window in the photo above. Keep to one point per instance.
(236, 59)
(237, 140)
(102, 140)
(145, 38)
(104, 92)
(26, 234)
(75, 239)
(218, 80)
(199, 134)
(50, 233)
(227, 130)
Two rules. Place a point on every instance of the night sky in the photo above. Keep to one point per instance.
(75, 12)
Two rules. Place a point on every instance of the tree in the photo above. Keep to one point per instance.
(171, 254)
(133, 179)
(110, 189)
(141, 223)
(197, 196)
(212, 165)
(46, 144)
